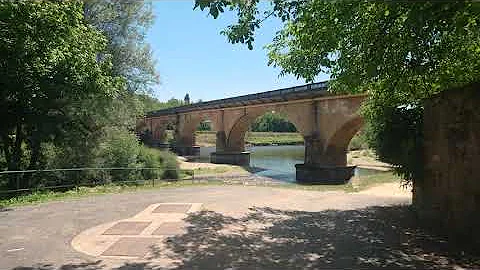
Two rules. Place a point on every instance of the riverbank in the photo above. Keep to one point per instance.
(366, 159)
(361, 158)
(203, 168)
(208, 138)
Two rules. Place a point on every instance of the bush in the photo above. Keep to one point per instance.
(119, 148)
(116, 148)
(150, 158)
(170, 165)
(122, 149)
(358, 142)
(397, 137)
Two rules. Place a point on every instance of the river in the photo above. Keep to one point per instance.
(276, 162)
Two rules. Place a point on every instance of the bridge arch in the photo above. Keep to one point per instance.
(236, 135)
(186, 133)
(159, 132)
(337, 145)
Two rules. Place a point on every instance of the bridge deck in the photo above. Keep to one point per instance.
(312, 90)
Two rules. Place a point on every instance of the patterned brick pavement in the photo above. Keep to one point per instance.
(136, 237)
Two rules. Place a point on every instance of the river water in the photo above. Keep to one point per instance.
(277, 162)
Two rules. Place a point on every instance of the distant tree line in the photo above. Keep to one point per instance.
(152, 104)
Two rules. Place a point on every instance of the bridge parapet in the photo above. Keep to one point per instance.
(292, 93)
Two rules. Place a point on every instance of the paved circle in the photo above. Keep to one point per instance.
(138, 236)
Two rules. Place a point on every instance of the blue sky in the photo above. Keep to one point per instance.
(193, 57)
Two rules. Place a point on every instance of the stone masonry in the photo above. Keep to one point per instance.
(450, 192)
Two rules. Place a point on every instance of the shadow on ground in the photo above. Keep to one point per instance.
(266, 238)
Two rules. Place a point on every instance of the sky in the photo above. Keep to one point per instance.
(193, 57)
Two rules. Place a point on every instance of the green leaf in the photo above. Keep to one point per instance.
(214, 12)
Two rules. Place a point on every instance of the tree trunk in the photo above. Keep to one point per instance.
(34, 157)
(15, 159)
(17, 150)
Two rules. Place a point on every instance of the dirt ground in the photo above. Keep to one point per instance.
(366, 159)
(189, 165)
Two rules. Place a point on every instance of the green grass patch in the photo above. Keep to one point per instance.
(369, 181)
(48, 195)
(218, 169)
(268, 138)
(254, 138)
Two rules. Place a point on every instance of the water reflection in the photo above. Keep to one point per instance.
(277, 162)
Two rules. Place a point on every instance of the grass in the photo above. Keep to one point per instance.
(46, 196)
(208, 138)
(218, 169)
(268, 138)
(368, 181)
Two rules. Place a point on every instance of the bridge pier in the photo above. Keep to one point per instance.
(235, 158)
(161, 145)
(229, 154)
(317, 174)
(324, 163)
(187, 150)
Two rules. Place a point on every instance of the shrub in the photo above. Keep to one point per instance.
(170, 165)
(397, 137)
(116, 148)
(150, 158)
(358, 142)
(119, 148)
(122, 149)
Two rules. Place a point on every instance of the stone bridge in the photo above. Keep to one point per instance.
(326, 121)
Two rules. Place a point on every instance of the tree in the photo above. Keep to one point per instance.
(398, 52)
(54, 86)
(153, 104)
(173, 102)
(272, 122)
(205, 126)
(125, 24)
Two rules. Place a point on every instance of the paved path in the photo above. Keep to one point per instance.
(223, 227)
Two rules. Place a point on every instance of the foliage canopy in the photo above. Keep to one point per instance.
(396, 51)
(61, 99)
(53, 82)
(125, 24)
